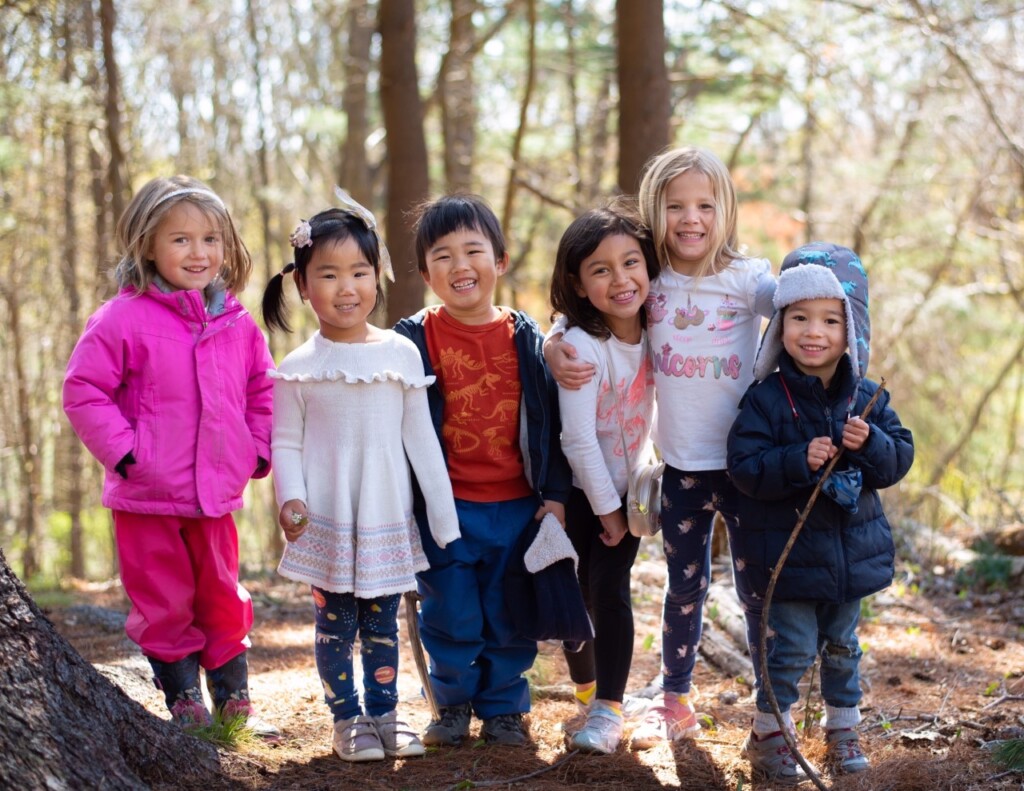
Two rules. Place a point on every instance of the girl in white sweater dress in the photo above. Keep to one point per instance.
(350, 415)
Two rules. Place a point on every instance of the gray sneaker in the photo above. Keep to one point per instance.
(356, 739)
(770, 759)
(451, 729)
(396, 737)
(843, 752)
(505, 729)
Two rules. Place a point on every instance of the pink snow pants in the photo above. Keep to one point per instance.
(181, 576)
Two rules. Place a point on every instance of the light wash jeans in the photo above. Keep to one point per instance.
(800, 630)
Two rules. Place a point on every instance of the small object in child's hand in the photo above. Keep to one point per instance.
(298, 519)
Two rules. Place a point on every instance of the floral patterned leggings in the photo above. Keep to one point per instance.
(689, 503)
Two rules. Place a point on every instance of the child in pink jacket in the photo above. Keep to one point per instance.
(167, 388)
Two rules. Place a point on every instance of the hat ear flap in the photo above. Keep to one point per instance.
(851, 338)
(768, 354)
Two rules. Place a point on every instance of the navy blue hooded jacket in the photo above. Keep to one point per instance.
(546, 467)
(838, 556)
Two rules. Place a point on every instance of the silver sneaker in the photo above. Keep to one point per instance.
(356, 739)
(602, 732)
(397, 738)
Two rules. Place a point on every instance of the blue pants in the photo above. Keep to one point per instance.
(339, 616)
(689, 503)
(798, 631)
(476, 656)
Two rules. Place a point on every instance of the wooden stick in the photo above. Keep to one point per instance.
(763, 642)
(412, 622)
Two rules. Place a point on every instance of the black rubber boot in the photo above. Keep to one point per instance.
(228, 686)
(229, 689)
(179, 681)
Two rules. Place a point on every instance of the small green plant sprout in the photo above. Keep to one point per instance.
(990, 571)
(865, 647)
(708, 722)
(992, 688)
(866, 612)
(913, 631)
(230, 733)
(648, 642)
(713, 612)
(1009, 753)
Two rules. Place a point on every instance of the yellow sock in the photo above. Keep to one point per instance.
(615, 706)
(585, 692)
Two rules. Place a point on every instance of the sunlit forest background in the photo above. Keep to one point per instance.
(893, 127)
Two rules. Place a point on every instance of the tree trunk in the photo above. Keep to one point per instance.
(643, 87)
(63, 725)
(117, 178)
(458, 99)
(354, 172)
(70, 453)
(408, 183)
(28, 449)
(505, 294)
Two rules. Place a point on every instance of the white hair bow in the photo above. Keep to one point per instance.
(351, 204)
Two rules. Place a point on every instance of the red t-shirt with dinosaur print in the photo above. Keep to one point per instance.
(477, 370)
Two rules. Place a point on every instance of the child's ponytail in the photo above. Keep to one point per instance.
(273, 307)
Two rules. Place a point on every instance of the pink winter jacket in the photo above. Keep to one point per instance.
(186, 392)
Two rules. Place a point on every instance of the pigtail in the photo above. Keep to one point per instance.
(273, 307)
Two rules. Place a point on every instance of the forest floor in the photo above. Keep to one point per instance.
(943, 677)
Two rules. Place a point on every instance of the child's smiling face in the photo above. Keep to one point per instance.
(614, 279)
(814, 334)
(463, 272)
(690, 208)
(341, 286)
(187, 247)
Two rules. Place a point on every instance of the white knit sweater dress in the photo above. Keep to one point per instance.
(348, 420)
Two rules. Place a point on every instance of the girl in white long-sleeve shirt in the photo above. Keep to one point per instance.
(350, 407)
(602, 276)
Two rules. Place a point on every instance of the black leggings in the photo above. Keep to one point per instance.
(604, 577)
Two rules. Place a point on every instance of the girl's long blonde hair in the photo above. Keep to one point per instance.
(664, 167)
(149, 206)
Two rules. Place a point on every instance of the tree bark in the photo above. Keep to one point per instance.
(643, 87)
(457, 91)
(63, 725)
(408, 183)
(71, 449)
(28, 448)
(117, 171)
(354, 171)
(508, 211)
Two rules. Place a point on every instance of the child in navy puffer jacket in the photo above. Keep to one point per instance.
(789, 427)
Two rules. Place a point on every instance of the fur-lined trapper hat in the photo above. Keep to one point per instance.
(807, 281)
(850, 272)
